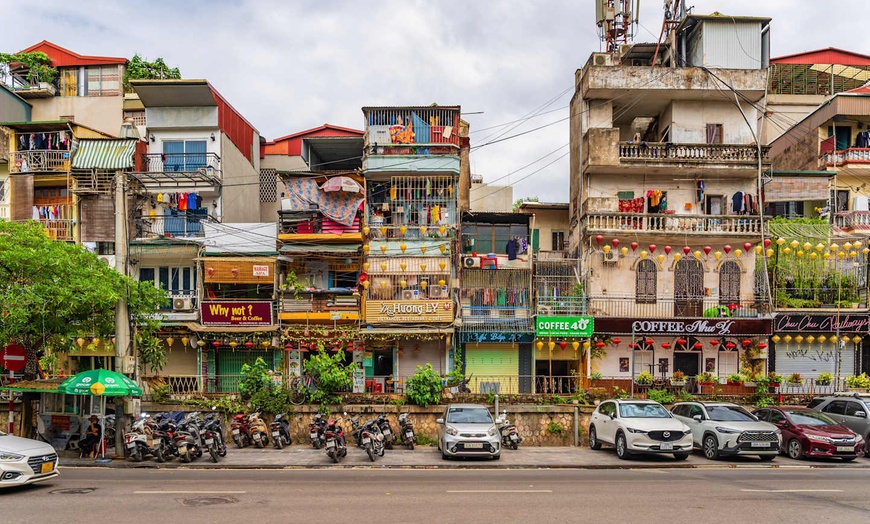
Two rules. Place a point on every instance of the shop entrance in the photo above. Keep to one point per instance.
(687, 362)
(561, 381)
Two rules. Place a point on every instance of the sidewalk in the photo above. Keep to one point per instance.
(305, 457)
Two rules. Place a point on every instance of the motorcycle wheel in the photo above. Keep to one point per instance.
(279, 443)
(514, 446)
(198, 452)
(381, 451)
(239, 442)
(158, 453)
(388, 444)
(185, 457)
(213, 452)
(371, 453)
(136, 454)
(410, 444)
(264, 439)
(333, 455)
(222, 451)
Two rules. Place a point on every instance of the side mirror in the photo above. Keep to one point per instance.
(861, 414)
(783, 423)
(439, 421)
(698, 418)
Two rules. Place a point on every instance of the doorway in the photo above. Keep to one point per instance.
(688, 288)
(687, 362)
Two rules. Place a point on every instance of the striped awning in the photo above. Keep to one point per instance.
(104, 154)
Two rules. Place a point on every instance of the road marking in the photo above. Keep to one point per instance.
(499, 491)
(792, 490)
(188, 492)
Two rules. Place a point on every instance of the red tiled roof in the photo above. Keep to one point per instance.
(322, 131)
(829, 55)
(62, 57)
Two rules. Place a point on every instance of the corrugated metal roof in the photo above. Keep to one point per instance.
(104, 154)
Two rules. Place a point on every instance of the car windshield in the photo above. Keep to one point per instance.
(810, 418)
(732, 413)
(867, 403)
(469, 416)
(642, 410)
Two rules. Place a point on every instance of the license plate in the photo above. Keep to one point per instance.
(182, 449)
(409, 434)
(514, 436)
(366, 440)
(131, 445)
(235, 431)
(330, 443)
(474, 445)
(209, 441)
(274, 433)
(256, 436)
(387, 432)
(845, 449)
(666, 446)
(314, 435)
(756, 444)
(47, 467)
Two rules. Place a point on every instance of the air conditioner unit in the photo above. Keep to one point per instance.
(624, 49)
(611, 258)
(602, 59)
(182, 303)
(409, 294)
(108, 259)
(437, 292)
(470, 262)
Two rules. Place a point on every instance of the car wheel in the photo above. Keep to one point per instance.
(795, 449)
(711, 447)
(681, 456)
(444, 455)
(849, 459)
(766, 458)
(593, 439)
(621, 447)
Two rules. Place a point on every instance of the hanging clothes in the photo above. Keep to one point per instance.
(738, 206)
(192, 201)
(512, 248)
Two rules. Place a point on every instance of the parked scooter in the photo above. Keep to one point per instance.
(187, 438)
(240, 430)
(356, 430)
(213, 425)
(161, 433)
(372, 439)
(137, 440)
(406, 429)
(335, 441)
(281, 431)
(315, 431)
(258, 429)
(510, 438)
(386, 430)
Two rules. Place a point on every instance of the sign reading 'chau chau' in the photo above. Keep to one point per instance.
(825, 323)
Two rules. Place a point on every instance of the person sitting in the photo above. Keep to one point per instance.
(93, 435)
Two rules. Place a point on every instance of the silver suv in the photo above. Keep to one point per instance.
(724, 429)
(850, 409)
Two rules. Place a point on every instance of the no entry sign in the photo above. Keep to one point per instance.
(13, 357)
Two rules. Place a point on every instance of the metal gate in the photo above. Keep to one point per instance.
(729, 283)
(812, 359)
(688, 288)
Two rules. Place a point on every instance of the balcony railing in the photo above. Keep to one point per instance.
(852, 221)
(724, 225)
(308, 223)
(669, 307)
(497, 318)
(853, 155)
(403, 131)
(547, 306)
(180, 162)
(186, 385)
(821, 298)
(39, 161)
(58, 229)
(318, 302)
(701, 153)
(551, 255)
(182, 225)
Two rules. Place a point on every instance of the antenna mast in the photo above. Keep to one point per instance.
(616, 21)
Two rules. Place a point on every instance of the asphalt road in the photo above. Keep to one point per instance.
(443, 496)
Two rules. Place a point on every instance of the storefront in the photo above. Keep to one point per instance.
(498, 362)
(810, 344)
(561, 353)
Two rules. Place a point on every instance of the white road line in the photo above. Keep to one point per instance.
(188, 492)
(499, 491)
(792, 490)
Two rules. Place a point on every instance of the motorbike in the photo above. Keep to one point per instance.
(315, 431)
(281, 431)
(406, 430)
(510, 438)
(258, 429)
(213, 425)
(334, 440)
(138, 441)
(386, 430)
(356, 430)
(241, 431)
(164, 445)
(187, 438)
(372, 439)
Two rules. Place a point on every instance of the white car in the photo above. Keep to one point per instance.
(25, 461)
(467, 430)
(726, 429)
(638, 426)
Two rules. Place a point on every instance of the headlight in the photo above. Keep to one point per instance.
(634, 430)
(819, 438)
(723, 429)
(493, 431)
(450, 430)
(859, 438)
(6, 456)
(687, 432)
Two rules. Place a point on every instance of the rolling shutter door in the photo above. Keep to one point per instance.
(229, 366)
(810, 362)
(495, 367)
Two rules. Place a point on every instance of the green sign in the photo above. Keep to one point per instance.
(564, 326)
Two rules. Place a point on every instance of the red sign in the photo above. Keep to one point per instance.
(236, 314)
(13, 357)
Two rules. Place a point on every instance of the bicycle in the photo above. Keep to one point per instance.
(301, 389)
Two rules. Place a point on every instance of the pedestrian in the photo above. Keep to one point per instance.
(93, 435)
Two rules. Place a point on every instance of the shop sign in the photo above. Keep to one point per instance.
(580, 326)
(826, 323)
(261, 270)
(396, 311)
(480, 338)
(714, 327)
(359, 380)
(237, 314)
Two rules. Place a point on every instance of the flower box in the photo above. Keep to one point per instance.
(678, 383)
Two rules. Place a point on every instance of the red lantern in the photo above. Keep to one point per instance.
(632, 345)
(766, 242)
(617, 341)
(303, 349)
(667, 250)
(649, 342)
(249, 344)
(652, 248)
(634, 246)
(288, 347)
(599, 239)
(599, 344)
(666, 345)
(216, 343)
(687, 250)
(730, 345)
(747, 246)
(563, 344)
(615, 242)
(698, 345)
(747, 342)
(726, 248)
(336, 349)
(714, 342)
(762, 345)
(707, 250)
(681, 341)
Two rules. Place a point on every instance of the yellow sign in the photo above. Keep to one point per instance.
(408, 311)
(97, 388)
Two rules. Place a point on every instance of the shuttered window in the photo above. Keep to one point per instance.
(729, 283)
(104, 81)
(645, 285)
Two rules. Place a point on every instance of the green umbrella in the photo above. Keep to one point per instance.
(100, 382)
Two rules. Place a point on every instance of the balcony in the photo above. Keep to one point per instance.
(851, 156)
(418, 139)
(322, 305)
(498, 319)
(179, 171)
(672, 224)
(849, 297)
(852, 221)
(40, 90)
(181, 225)
(669, 307)
(560, 306)
(40, 161)
(312, 226)
(666, 152)
(58, 229)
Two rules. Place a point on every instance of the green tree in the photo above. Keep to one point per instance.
(254, 378)
(424, 388)
(140, 69)
(52, 292)
(38, 66)
(332, 374)
(520, 201)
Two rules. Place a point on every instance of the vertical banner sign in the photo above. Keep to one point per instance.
(359, 380)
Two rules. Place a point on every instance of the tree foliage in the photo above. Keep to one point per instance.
(38, 65)
(424, 387)
(332, 376)
(253, 378)
(140, 69)
(53, 292)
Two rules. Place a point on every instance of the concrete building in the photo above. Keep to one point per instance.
(13, 108)
(549, 227)
(664, 208)
(490, 198)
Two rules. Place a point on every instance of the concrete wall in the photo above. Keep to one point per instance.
(181, 360)
(690, 119)
(104, 113)
(240, 200)
(801, 154)
(786, 110)
(486, 198)
(545, 221)
(186, 117)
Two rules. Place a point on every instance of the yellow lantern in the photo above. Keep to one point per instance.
(383, 284)
(366, 230)
(606, 248)
(827, 256)
(423, 231)
(184, 341)
(865, 251)
(677, 256)
(834, 247)
(442, 265)
(758, 249)
(780, 241)
(856, 339)
(403, 265)
(383, 248)
(423, 267)
(366, 248)
(787, 338)
(586, 345)
(403, 283)
(423, 249)
(575, 345)
(95, 341)
(833, 339)
(80, 341)
(383, 266)
(643, 255)
(847, 246)
(366, 284)
(769, 252)
(660, 258)
(383, 230)
(794, 244)
(624, 251)
(365, 266)
(403, 247)
(234, 344)
(424, 285)
(539, 345)
(775, 339)
(169, 341)
(442, 230)
(822, 339)
(442, 282)
(813, 255)
(403, 230)
(443, 248)
(697, 255)
(265, 343)
(807, 246)
(810, 339)
(841, 254)
(799, 339)
(551, 345)
(738, 252)
(787, 251)
(820, 247)
(853, 254)
(800, 253)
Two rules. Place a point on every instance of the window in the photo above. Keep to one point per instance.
(68, 82)
(491, 238)
(729, 283)
(716, 205)
(841, 200)
(175, 280)
(792, 209)
(763, 415)
(729, 413)
(714, 133)
(138, 117)
(696, 410)
(184, 155)
(854, 407)
(103, 81)
(837, 407)
(776, 417)
(643, 361)
(645, 283)
(558, 241)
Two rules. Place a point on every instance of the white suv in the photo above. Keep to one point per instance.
(638, 426)
(723, 429)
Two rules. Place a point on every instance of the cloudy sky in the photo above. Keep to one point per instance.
(289, 65)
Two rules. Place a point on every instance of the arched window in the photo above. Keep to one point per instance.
(729, 283)
(688, 288)
(645, 283)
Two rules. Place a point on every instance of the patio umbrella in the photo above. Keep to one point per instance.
(102, 383)
(342, 183)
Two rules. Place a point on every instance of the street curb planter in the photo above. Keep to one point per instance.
(678, 383)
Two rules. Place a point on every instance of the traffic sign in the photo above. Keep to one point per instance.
(13, 357)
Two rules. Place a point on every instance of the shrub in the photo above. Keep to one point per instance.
(661, 396)
(858, 381)
(644, 377)
(596, 376)
(272, 401)
(706, 377)
(795, 378)
(736, 378)
(253, 378)
(678, 376)
(824, 378)
(424, 388)
(685, 396)
(774, 379)
(554, 428)
(332, 376)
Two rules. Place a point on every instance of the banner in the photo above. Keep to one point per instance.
(577, 326)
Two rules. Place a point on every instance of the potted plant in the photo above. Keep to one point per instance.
(678, 379)
(858, 383)
(795, 379)
(773, 379)
(735, 379)
(645, 378)
(706, 379)
(595, 376)
(824, 379)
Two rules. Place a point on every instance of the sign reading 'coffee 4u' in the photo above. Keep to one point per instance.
(581, 326)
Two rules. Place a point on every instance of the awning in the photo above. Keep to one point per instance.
(327, 249)
(34, 386)
(104, 154)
